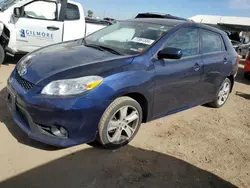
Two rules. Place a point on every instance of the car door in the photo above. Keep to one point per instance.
(38, 26)
(216, 62)
(178, 82)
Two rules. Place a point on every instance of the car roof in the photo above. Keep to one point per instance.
(160, 21)
(174, 22)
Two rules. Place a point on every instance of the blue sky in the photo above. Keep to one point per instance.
(122, 9)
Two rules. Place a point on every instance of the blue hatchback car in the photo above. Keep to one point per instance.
(104, 86)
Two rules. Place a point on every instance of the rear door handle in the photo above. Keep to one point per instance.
(52, 28)
(196, 66)
(225, 60)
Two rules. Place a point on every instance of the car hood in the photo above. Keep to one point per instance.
(69, 60)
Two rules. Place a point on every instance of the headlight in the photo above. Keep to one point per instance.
(23, 64)
(71, 86)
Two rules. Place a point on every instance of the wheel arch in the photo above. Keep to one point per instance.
(142, 100)
(5, 37)
(231, 78)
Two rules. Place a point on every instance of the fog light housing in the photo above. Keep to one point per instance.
(59, 131)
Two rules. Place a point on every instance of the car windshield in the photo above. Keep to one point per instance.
(127, 37)
(5, 4)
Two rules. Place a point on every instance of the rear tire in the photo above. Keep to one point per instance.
(119, 123)
(2, 55)
(222, 94)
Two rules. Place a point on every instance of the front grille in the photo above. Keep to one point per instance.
(24, 83)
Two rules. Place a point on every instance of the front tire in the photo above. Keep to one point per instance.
(2, 55)
(222, 94)
(120, 123)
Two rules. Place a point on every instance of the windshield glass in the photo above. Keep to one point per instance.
(128, 37)
(4, 4)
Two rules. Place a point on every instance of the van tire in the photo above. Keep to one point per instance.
(2, 55)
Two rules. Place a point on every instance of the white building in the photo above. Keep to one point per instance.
(229, 23)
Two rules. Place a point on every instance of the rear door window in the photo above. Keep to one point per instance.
(211, 42)
(186, 39)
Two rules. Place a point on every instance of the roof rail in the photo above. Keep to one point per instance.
(159, 15)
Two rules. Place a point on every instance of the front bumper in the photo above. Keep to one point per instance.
(36, 114)
(34, 131)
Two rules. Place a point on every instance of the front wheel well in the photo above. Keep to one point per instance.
(141, 99)
(5, 37)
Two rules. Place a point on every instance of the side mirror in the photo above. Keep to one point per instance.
(17, 12)
(170, 53)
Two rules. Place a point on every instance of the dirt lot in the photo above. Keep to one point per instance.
(200, 147)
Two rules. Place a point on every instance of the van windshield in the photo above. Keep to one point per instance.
(127, 37)
(5, 4)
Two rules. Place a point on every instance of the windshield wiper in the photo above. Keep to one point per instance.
(110, 50)
(94, 46)
(101, 48)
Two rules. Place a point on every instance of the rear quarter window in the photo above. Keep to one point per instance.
(211, 42)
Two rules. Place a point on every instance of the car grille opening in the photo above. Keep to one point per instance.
(22, 114)
(24, 83)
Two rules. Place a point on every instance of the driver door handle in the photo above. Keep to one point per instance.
(52, 28)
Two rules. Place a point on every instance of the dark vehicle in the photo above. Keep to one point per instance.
(235, 39)
(98, 21)
(236, 45)
(104, 86)
(112, 20)
(158, 15)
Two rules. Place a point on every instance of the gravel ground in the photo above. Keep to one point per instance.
(201, 147)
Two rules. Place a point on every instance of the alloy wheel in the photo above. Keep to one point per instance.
(223, 93)
(123, 124)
